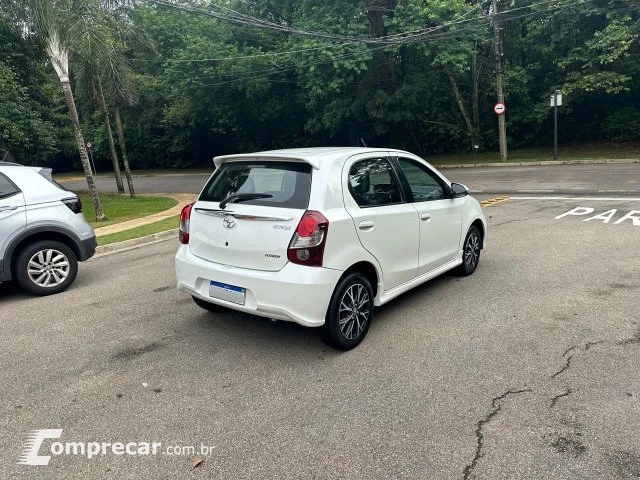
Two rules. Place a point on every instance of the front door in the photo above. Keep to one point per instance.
(440, 216)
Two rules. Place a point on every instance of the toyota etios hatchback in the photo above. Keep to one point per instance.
(320, 236)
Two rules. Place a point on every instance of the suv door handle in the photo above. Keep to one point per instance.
(7, 208)
(425, 216)
(366, 225)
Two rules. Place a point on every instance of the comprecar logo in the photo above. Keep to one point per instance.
(29, 454)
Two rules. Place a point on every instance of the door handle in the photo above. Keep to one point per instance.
(366, 225)
(7, 208)
(425, 216)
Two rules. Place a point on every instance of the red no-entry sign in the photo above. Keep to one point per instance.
(499, 108)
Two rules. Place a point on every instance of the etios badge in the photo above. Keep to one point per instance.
(229, 222)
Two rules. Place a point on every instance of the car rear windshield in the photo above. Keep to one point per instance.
(288, 183)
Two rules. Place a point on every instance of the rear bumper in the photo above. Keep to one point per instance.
(296, 293)
(87, 248)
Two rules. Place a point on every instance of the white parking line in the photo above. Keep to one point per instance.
(606, 199)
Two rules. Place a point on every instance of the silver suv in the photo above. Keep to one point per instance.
(43, 233)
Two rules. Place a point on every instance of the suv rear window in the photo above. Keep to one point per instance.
(288, 183)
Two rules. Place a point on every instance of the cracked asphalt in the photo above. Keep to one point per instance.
(527, 369)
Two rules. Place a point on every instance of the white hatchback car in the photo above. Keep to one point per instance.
(319, 236)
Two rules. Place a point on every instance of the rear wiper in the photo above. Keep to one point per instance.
(241, 197)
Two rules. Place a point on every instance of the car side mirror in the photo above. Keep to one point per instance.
(459, 190)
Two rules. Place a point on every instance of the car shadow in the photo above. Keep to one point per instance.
(431, 288)
(11, 291)
(266, 337)
(261, 336)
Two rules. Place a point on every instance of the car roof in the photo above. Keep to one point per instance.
(313, 155)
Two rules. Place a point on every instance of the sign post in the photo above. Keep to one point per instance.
(556, 101)
(93, 165)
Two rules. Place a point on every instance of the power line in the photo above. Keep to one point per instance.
(399, 38)
(266, 71)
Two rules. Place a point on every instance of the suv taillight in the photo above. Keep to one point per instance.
(74, 204)
(307, 245)
(185, 215)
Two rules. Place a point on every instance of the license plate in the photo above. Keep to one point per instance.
(224, 291)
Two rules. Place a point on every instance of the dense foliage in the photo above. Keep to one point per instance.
(257, 74)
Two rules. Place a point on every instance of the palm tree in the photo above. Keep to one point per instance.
(109, 78)
(65, 25)
(59, 57)
(121, 85)
(89, 77)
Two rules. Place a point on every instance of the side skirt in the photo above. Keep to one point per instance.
(383, 297)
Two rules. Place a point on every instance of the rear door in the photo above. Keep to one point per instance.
(250, 232)
(387, 226)
(440, 216)
(13, 218)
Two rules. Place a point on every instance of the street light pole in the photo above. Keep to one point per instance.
(502, 126)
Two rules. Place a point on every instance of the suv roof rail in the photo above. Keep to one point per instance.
(13, 164)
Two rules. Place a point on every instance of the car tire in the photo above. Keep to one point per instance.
(211, 307)
(46, 267)
(349, 314)
(470, 252)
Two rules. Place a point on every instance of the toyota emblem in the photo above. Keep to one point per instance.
(229, 221)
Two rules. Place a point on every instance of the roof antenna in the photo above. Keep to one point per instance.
(363, 144)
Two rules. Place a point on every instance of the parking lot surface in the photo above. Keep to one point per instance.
(526, 369)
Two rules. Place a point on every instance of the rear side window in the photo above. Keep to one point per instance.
(373, 183)
(288, 183)
(7, 189)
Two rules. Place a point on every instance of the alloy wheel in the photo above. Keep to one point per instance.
(48, 268)
(472, 251)
(354, 311)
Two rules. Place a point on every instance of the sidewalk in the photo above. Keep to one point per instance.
(182, 198)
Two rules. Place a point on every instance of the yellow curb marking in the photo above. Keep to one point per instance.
(493, 201)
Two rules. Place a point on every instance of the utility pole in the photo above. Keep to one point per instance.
(502, 127)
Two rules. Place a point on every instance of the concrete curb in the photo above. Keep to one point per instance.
(623, 161)
(136, 242)
(573, 193)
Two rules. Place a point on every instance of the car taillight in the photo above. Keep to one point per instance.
(74, 204)
(185, 216)
(307, 245)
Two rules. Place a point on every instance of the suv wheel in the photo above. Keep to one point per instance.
(211, 307)
(471, 252)
(46, 267)
(350, 313)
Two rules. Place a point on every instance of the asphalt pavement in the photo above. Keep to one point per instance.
(526, 369)
(573, 179)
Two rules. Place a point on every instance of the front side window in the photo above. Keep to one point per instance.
(283, 184)
(372, 182)
(7, 189)
(424, 184)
